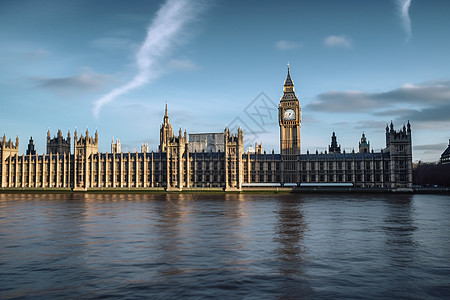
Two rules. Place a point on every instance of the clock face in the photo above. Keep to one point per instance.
(289, 114)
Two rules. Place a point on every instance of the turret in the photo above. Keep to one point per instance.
(115, 146)
(144, 148)
(57, 144)
(86, 145)
(403, 135)
(364, 146)
(7, 148)
(258, 148)
(30, 149)
(334, 147)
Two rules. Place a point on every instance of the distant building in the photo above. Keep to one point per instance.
(258, 149)
(144, 147)
(334, 147)
(208, 142)
(445, 156)
(31, 150)
(58, 145)
(115, 146)
(364, 145)
(211, 160)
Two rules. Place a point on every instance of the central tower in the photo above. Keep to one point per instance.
(289, 119)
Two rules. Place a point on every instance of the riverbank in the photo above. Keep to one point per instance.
(267, 190)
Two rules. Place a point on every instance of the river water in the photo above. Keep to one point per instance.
(235, 246)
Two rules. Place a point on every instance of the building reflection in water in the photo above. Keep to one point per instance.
(290, 231)
(244, 234)
(45, 233)
(169, 233)
(399, 228)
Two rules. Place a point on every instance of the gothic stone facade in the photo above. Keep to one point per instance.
(175, 166)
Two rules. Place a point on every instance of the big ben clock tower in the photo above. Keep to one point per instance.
(289, 119)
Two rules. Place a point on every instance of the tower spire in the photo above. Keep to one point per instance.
(288, 81)
(288, 89)
(166, 117)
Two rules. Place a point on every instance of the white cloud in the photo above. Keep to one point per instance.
(340, 41)
(182, 64)
(162, 35)
(403, 6)
(287, 45)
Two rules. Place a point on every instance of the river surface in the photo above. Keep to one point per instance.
(226, 246)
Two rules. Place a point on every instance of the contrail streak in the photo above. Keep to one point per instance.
(404, 14)
(161, 35)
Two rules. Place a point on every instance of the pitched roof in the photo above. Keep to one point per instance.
(446, 153)
(288, 81)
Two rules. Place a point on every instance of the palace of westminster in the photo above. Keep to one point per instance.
(209, 160)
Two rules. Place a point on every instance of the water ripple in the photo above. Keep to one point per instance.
(224, 246)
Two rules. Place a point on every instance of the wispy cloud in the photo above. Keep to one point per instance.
(112, 43)
(435, 147)
(335, 41)
(287, 45)
(403, 10)
(425, 102)
(436, 114)
(162, 34)
(343, 101)
(182, 64)
(36, 54)
(431, 93)
(86, 81)
(369, 125)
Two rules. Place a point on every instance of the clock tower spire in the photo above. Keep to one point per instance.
(288, 89)
(166, 132)
(289, 119)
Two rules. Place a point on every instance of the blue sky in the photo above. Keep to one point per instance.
(112, 65)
